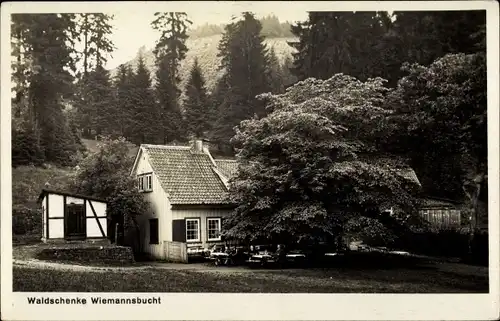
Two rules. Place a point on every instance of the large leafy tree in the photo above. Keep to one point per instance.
(244, 61)
(106, 174)
(310, 166)
(196, 105)
(442, 109)
(169, 51)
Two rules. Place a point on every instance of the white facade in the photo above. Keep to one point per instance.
(67, 216)
(165, 213)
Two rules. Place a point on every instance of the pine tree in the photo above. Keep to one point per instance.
(244, 60)
(145, 115)
(169, 51)
(100, 113)
(422, 37)
(123, 101)
(286, 69)
(93, 99)
(44, 67)
(275, 73)
(337, 42)
(196, 105)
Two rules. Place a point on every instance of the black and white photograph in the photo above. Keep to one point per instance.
(248, 148)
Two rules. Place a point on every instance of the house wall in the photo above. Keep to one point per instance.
(93, 229)
(442, 217)
(44, 218)
(56, 216)
(160, 209)
(202, 214)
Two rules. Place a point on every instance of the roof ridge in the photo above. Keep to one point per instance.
(166, 146)
(225, 160)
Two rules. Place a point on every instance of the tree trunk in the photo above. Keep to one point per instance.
(472, 189)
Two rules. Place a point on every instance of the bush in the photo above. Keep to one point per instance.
(445, 243)
(26, 220)
(95, 254)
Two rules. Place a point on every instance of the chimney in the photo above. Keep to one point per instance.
(197, 146)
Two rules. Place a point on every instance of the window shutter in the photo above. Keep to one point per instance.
(179, 230)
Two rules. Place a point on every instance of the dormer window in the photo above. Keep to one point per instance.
(145, 182)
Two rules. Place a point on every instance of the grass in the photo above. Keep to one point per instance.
(424, 277)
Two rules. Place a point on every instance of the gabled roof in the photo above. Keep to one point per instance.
(228, 167)
(46, 191)
(188, 177)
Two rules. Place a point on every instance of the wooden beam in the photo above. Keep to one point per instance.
(97, 219)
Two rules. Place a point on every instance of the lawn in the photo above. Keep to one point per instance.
(421, 278)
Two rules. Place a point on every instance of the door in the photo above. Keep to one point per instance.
(75, 222)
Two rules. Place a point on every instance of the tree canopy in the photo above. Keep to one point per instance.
(309, 166)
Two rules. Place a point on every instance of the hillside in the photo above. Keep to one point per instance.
(205, 49)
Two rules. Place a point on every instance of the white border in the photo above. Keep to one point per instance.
(270, 306)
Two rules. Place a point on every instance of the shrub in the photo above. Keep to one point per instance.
(99, 255)
(26, 220)
(445, 243)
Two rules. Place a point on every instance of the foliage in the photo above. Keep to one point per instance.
(169, 51)
(196, 105)
(443, 108)
(96, 106)
(145, 126)
(275, 73)
(123, 102)
(424, 36)
(271, 28)
(95, 29)
(106, 174)
(26, 220)
(337, 42)
(43, 74)
(376, 44)
(205, 50)
(244, 60)
(309, 166)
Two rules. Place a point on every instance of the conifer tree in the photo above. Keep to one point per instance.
(275, 73)
(44, 71)
(145, 125)
(196, 105)
(244, 60)
(122, 102)
(169, 51)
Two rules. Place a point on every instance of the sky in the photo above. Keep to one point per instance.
(133, 29)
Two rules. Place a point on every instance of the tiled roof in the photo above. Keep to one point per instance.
(435, 202)
(188, 177)
(228, 167)
(409, 174)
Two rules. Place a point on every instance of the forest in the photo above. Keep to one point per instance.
(420, 75)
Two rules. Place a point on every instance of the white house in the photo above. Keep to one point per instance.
(188, 191)
(67, 216)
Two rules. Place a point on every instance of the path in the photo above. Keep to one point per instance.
(194, 267)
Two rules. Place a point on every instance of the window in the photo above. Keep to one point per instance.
(145, 182)
(213, 229)
(193, 230)
(153, 231)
